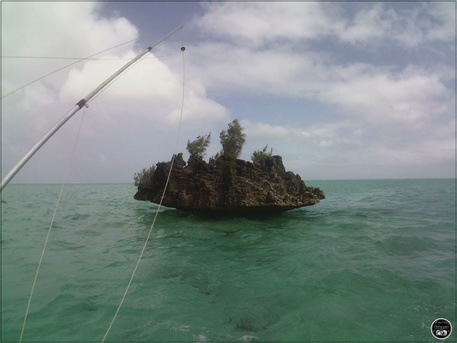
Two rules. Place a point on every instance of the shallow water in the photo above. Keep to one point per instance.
(374, 261)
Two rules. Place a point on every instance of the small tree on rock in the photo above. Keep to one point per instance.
(197, 148)
(259, 155)
(232, 140)
(145, 177)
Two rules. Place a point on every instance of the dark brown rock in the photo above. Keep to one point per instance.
(229, 186)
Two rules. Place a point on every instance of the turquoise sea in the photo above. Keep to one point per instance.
(375, 261)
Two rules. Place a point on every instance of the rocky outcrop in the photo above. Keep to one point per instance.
(229, 186)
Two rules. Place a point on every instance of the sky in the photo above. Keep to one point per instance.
(356, 90)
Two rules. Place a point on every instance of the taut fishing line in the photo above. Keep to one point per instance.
(159, 206)
(78, 60)
(83, 58)
(67, 170)
(114, 80)
(80, 104)
(68, 65)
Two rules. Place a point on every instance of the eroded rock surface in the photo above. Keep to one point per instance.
(245, 187)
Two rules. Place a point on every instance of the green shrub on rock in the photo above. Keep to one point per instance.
(232, 140)
(145, 177)
(259, 155)
(198, 147)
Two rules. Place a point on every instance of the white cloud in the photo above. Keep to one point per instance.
(370, 23)
(376, 94)
(141, 109)
(380, 24)
(290, 139)
(259, 23)
(278, 71)
(364, 104)
(442, 26)
(148, 78)
(199, 111)
(256, 23)
(382, 96)
(242, 61)
(57, 30)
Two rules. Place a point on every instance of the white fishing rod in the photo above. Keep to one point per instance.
(83, 102)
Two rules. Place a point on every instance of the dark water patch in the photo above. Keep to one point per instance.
(77, 216)
(407, 245)
(252, 320)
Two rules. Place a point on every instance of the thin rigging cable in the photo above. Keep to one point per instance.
(51, 225)
(63, 186)
(55, 71)
(115, 79)
(80, 58)
(158, 208)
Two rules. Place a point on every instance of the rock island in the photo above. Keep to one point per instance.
(226, 184)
